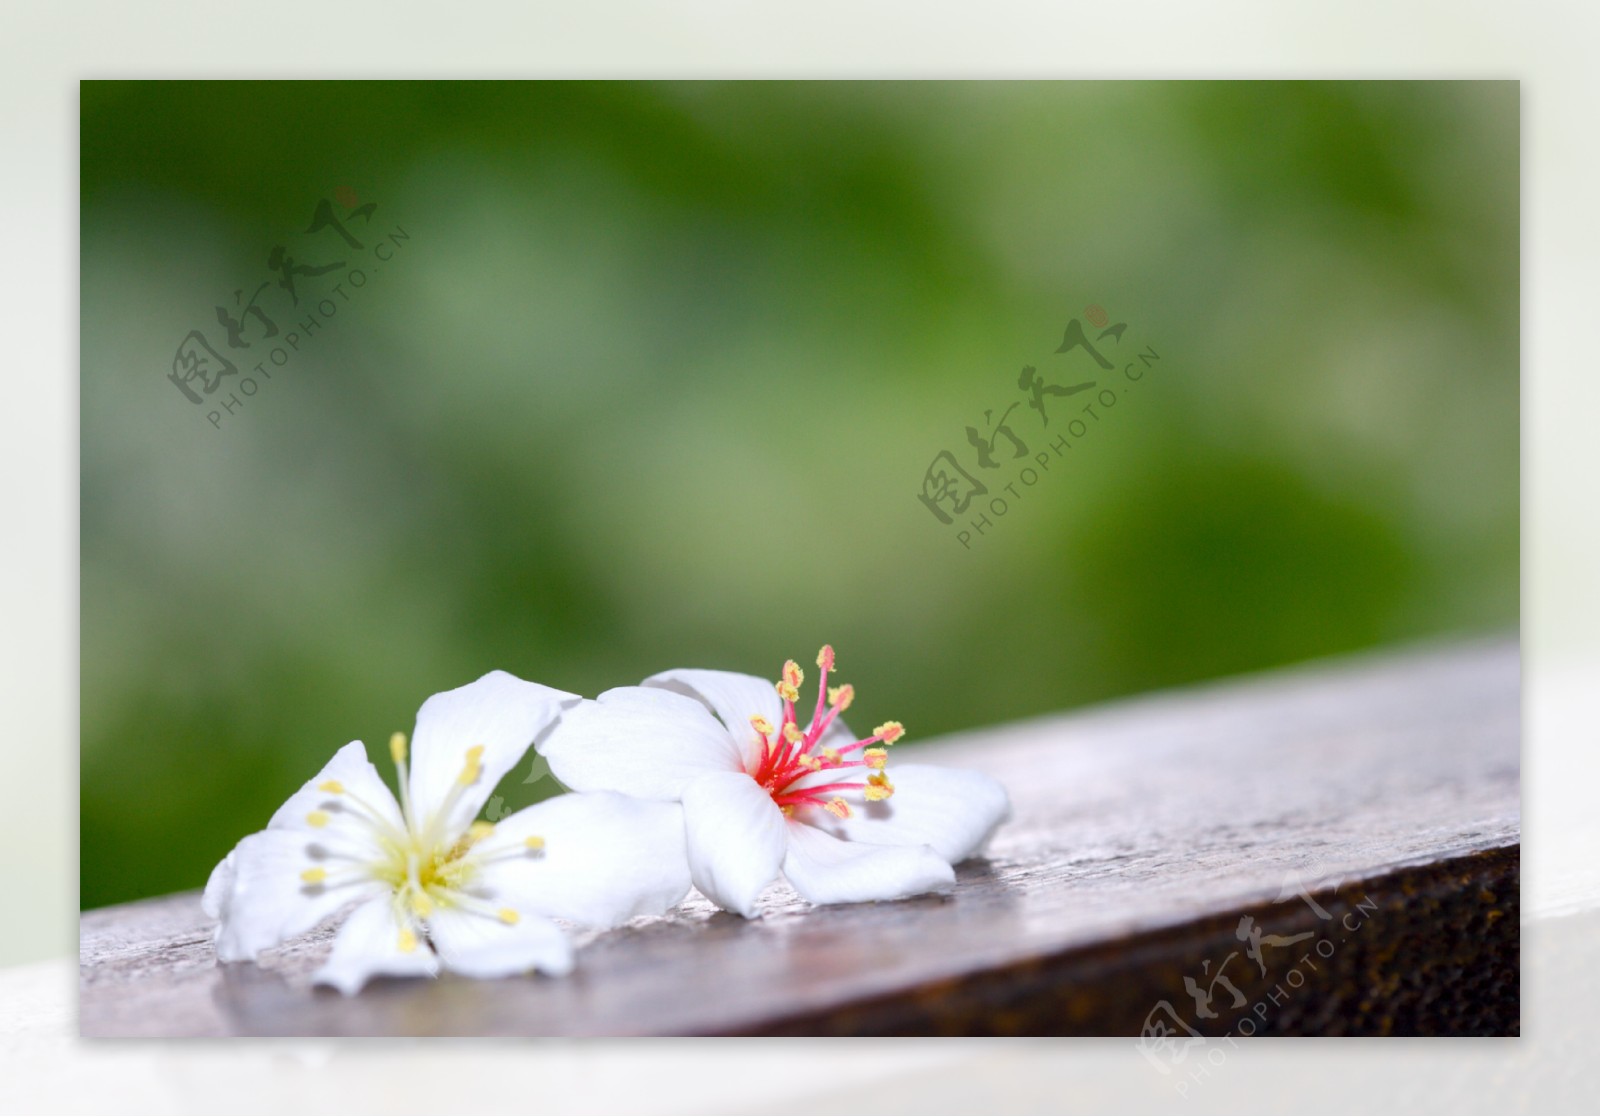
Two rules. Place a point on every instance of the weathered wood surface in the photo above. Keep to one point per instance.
(1387, 785)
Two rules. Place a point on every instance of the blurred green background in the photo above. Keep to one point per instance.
(655, 380)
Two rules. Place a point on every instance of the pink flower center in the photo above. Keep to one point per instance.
(789, 754)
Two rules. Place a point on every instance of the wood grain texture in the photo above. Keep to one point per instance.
(1385, 788)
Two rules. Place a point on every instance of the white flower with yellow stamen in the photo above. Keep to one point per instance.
(428, 886)
(762, 796)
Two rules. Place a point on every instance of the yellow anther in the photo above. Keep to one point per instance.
(831, 755)
(533, 842)
(314, 876)
(473, 766)
(840, 697)
(332, 787)
(789, 685)
(878, 787)
(761, 725)
(397, 748)
(791, 733)
(837, 807)
(318, 819)
(825, 657)
(811, 762)
(408, 940)
(421, 905)
(889, 732)
(509, 917)
(479, 831)
(875, 758)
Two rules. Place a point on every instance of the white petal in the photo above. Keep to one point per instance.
(500, 712)
(369, 944)
(954, 810)
(266, 902)
(477, 945)
(825, 870)
(641, 741)
(733, 697)
(219, 888)
(350, 821)
(606, 858)
(736, 839)
(837, 737)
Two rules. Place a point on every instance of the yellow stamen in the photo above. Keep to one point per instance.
(332, 787)
(318, 819)
(421, 905)
(837, 807)
(811, 762)
(831, 755)
(761, 725)
(890, 732)
(474, 766)
(789, 685)
(841, 696)
(408, 940)
(791, 733)
(533, 842)
(479, 831)
(397, 751)
(825, 657)
(875, 758)
(878, 787)
(509, 917)
(314, 876)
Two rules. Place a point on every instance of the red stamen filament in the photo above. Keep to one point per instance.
(784, 762)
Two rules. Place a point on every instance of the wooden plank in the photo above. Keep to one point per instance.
(1385, 786)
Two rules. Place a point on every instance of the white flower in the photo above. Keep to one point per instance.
(433, 887)
(761, 795)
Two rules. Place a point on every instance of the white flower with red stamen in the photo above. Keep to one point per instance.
(762, 795)
(428, 886)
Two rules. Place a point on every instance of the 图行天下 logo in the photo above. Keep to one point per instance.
(1274, 970)
(310, 281)
(1009, 456)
